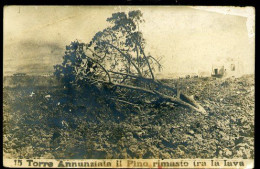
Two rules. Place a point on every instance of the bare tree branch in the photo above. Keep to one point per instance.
(154, 60)
(142, 51)
(126, 102)
(102, 67)
(127, 57)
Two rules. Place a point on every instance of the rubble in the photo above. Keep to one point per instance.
(94, 130)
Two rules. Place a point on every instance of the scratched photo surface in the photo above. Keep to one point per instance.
(111, 82)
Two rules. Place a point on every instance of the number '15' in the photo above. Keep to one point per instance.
(18, 162)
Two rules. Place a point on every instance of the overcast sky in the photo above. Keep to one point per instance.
(189, 39)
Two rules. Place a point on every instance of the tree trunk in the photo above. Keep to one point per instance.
(184, 100)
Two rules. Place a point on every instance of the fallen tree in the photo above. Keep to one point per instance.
(115, 61)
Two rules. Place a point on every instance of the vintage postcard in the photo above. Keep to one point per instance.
(129, 86)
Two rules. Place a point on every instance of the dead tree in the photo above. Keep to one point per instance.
(116, 58)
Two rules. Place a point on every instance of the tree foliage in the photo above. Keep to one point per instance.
(74, 60)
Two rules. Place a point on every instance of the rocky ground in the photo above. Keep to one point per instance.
(50, 124)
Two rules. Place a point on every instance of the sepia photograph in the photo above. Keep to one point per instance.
(129, 83)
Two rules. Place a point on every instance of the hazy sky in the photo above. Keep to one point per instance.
(189, 39)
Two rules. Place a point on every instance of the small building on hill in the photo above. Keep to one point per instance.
(227, 68)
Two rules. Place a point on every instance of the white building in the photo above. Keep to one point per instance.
(227, 68)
